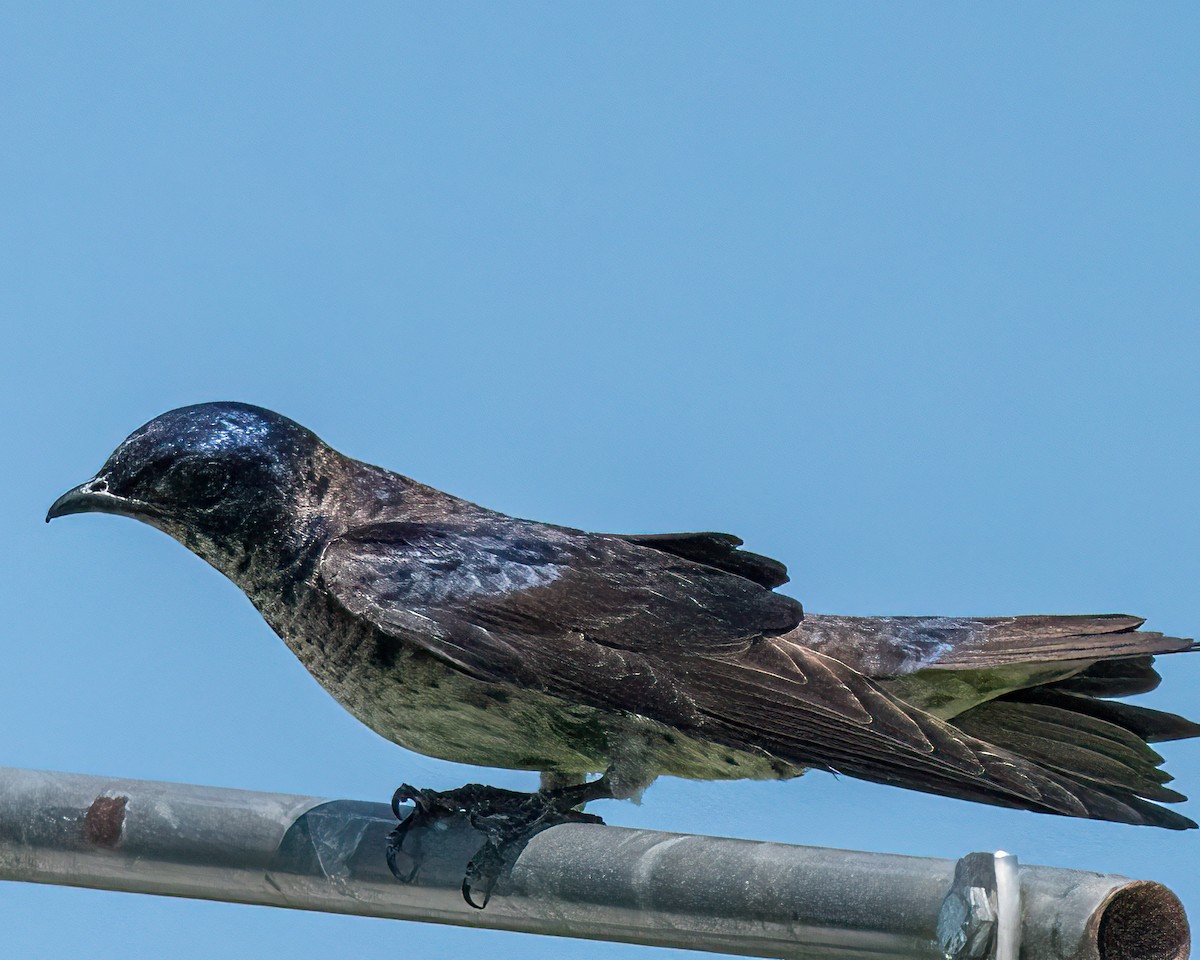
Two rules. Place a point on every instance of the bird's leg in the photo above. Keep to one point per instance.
(507, 819)
(430, 806)
(553, 780)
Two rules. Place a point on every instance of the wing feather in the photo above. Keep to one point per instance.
(623, 627)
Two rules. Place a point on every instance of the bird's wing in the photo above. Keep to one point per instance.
(719, 550)
(597, 620)
(589, 618)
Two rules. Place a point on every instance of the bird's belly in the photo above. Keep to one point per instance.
(427, 706)
(433, 709)
(442, 713)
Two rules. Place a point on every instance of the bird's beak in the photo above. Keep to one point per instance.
(89, 497)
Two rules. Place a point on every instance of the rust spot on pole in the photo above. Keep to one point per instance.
(104, 821)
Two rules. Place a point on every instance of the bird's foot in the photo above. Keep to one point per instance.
(508, 820)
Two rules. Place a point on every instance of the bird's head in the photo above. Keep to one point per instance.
(222, 478)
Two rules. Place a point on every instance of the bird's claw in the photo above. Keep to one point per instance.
(507, 819)
(428, 806)
(395, 840)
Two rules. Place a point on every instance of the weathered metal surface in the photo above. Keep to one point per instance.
(577, 880)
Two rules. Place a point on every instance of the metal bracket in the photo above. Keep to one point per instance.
(981, 915)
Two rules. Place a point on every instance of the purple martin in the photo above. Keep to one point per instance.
(469, 635)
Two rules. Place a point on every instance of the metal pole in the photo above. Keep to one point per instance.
(576, 880)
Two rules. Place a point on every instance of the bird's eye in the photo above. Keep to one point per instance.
(206, 484)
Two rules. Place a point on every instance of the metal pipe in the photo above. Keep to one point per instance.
(577, 880)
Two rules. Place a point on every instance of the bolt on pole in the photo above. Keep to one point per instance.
(576, 880)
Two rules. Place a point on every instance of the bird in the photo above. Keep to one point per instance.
(468, 635)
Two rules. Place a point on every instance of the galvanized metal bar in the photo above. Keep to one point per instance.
(576, 880)
(1008, 906)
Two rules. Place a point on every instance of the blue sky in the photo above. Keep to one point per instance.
(904, 295)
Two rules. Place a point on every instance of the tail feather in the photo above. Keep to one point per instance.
(1082, 747)
(889, 647)
(1024, 696)
(1114, 678)
(1005, 640)
(752, 702)
(1152, 726)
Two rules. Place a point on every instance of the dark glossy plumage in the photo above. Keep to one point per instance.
(478, 637)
